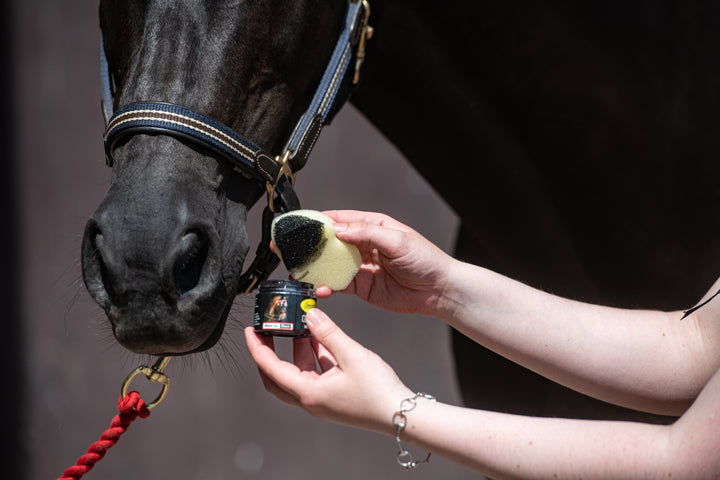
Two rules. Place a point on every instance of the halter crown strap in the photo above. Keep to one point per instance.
(308, 127)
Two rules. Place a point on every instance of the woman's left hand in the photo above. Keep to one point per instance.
(353, 385)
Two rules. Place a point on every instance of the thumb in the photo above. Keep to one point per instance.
(330, 336)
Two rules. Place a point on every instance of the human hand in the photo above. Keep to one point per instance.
(354, 386)
(401, 272)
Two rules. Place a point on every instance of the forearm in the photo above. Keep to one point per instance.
(514, 446)
(642, 359)
(511, 446)
(356, 387)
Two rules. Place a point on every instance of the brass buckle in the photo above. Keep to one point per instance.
(284, 170)
(251, 286)
(365, 34)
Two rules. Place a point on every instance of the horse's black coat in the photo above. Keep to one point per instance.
(577, 141)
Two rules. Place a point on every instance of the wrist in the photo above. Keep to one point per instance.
(451, 296)
(400, 421)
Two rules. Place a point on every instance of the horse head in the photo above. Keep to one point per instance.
(163, 253)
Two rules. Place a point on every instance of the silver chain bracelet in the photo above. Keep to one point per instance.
(405, 458)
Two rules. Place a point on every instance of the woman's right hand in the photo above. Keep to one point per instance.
(401, 272)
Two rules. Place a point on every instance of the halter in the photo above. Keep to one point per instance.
(275, 173)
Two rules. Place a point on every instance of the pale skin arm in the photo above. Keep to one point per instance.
(642, 359)
(508, 446)
(355, 387)
(647, 360)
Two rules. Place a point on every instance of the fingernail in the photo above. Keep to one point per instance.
(340, 227)
(313, 317)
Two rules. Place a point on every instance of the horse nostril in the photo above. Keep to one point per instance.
(105, 276)
(98, 276)
(190, 261)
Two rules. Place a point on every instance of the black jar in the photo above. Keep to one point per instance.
(280, 307)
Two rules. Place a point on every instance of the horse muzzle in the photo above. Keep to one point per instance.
(162, 295)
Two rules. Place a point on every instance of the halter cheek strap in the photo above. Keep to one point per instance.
(276, 173)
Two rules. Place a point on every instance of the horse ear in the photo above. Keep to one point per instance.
(107, 85)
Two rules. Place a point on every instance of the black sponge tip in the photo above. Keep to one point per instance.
(300, 239)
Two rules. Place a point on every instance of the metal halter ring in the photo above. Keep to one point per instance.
(154, 374)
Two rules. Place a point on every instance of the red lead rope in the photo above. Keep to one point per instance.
(130, 407)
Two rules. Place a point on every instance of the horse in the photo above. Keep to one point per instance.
(572, 141)
(163, 252)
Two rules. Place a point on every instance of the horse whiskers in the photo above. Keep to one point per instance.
(73, 290)
(228, 353)
(229, 350)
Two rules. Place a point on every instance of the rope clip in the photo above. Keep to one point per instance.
(153, 374)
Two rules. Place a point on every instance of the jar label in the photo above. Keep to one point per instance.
(280, 308)
(307, 304)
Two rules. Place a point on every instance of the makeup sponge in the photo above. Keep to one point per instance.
(306, 243)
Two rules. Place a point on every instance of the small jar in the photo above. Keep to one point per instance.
(280, 307)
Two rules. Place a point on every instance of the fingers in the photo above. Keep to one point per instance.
(353, 216)
(338, 348)
(323, 291)
(290, 382)
(369, 237)
(280, 378)
(303, 354)
(376, 235)
(283, 379)
(277, 391)
(324, 358)
(256, 342)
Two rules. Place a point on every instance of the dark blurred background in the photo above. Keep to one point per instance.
(12, 347)
(61, 369)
